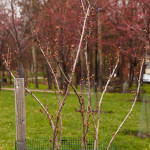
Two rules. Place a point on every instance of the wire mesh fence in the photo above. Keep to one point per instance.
(144, 123)
(66, 144)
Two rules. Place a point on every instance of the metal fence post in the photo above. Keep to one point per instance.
(20, 114)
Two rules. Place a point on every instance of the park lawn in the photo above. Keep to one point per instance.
(115, 108)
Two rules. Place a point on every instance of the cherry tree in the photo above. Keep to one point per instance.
(65, 34)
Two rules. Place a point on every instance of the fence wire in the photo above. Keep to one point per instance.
(144, 122)
(66, 144)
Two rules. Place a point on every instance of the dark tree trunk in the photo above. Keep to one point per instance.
(131, 74)
(60, 78)
(99, 48)
(10, 79)
(121, 73)
(65, 84)
(20, 68)
(96, 71)
(3, 74)
(77, 76)
(133, 64)
(49, 78)
(0, 70)
(96, 61)
(124, 83)
(82, 61)
(0, 85)
(35, 66)
(0, 81)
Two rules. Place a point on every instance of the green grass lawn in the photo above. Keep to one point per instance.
(114, 109)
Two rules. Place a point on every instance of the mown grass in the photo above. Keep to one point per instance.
(115, 108)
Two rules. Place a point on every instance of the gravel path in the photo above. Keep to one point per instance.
(37, 90)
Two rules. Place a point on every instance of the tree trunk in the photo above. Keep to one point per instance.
(0, 77)
(35, 66)
(33, 47)
(82, 70)
(3, 74)
(65, 84)
(133, 64)
(0, 82)
(124, 74)
(99, 46)
(20, 68)
(92, 66)
(0, 70)
(10, 79)
(96, 67)
(49, 78)
(121, 73)
(125, 87)
(60, 78)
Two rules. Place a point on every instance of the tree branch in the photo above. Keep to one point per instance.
(100, 103)
(137, 93)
